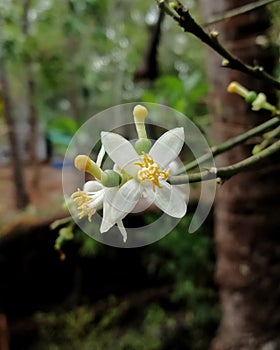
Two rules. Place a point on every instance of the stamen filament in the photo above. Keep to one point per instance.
(83, 199)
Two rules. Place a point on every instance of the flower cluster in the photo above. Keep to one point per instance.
(140, 171)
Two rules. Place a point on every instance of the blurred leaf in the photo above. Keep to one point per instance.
(64, 125)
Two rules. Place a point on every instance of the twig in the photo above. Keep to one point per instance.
(238, 11)
(229, 144)
(268, 140)
(167, 9)
(227, 172)
(188, 24)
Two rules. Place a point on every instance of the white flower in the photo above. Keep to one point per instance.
(93, 197)
(147, 176)
(89, 199)
(142, 176)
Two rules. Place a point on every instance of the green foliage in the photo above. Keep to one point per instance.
(182, 261)
(60, 132)
(87, 57)
(88, 247)
(187, 261)
(68, 330)
(78, 329)
(184, 96)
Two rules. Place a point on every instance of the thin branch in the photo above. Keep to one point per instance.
(238, 11)
(148, 69)
(229, 144)
(269, 138)
(224, 173)
(167, 9)
(188, 24)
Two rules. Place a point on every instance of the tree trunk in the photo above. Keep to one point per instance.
(148, 69)
(4, 336)
(73, 88)
(247, 207)
(18, 174)
(32, 109)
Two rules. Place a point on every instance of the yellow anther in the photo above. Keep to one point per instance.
(82, 199)
(151, 171)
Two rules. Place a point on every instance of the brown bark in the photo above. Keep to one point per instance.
(18, 174)
(33, 124)
(31, 97)
(4, 336)
(73, 88)
(148, 68)
(247, 206)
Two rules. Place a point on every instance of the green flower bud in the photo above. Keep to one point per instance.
(225, 62)
(66, 233)
(256, 149)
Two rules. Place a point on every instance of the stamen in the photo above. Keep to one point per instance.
(82, 200)
(151, 171)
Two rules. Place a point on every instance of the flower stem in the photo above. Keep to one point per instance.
(268, 140)
(229, 144)
(227, 172)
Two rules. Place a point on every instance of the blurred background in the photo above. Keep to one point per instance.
(61, 62)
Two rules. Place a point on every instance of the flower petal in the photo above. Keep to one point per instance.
(118, 203)
(122, 230)
(92, 186)
(97, 199)
(127, 196)
(120, 151)
(168, 147)
(170, 200)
